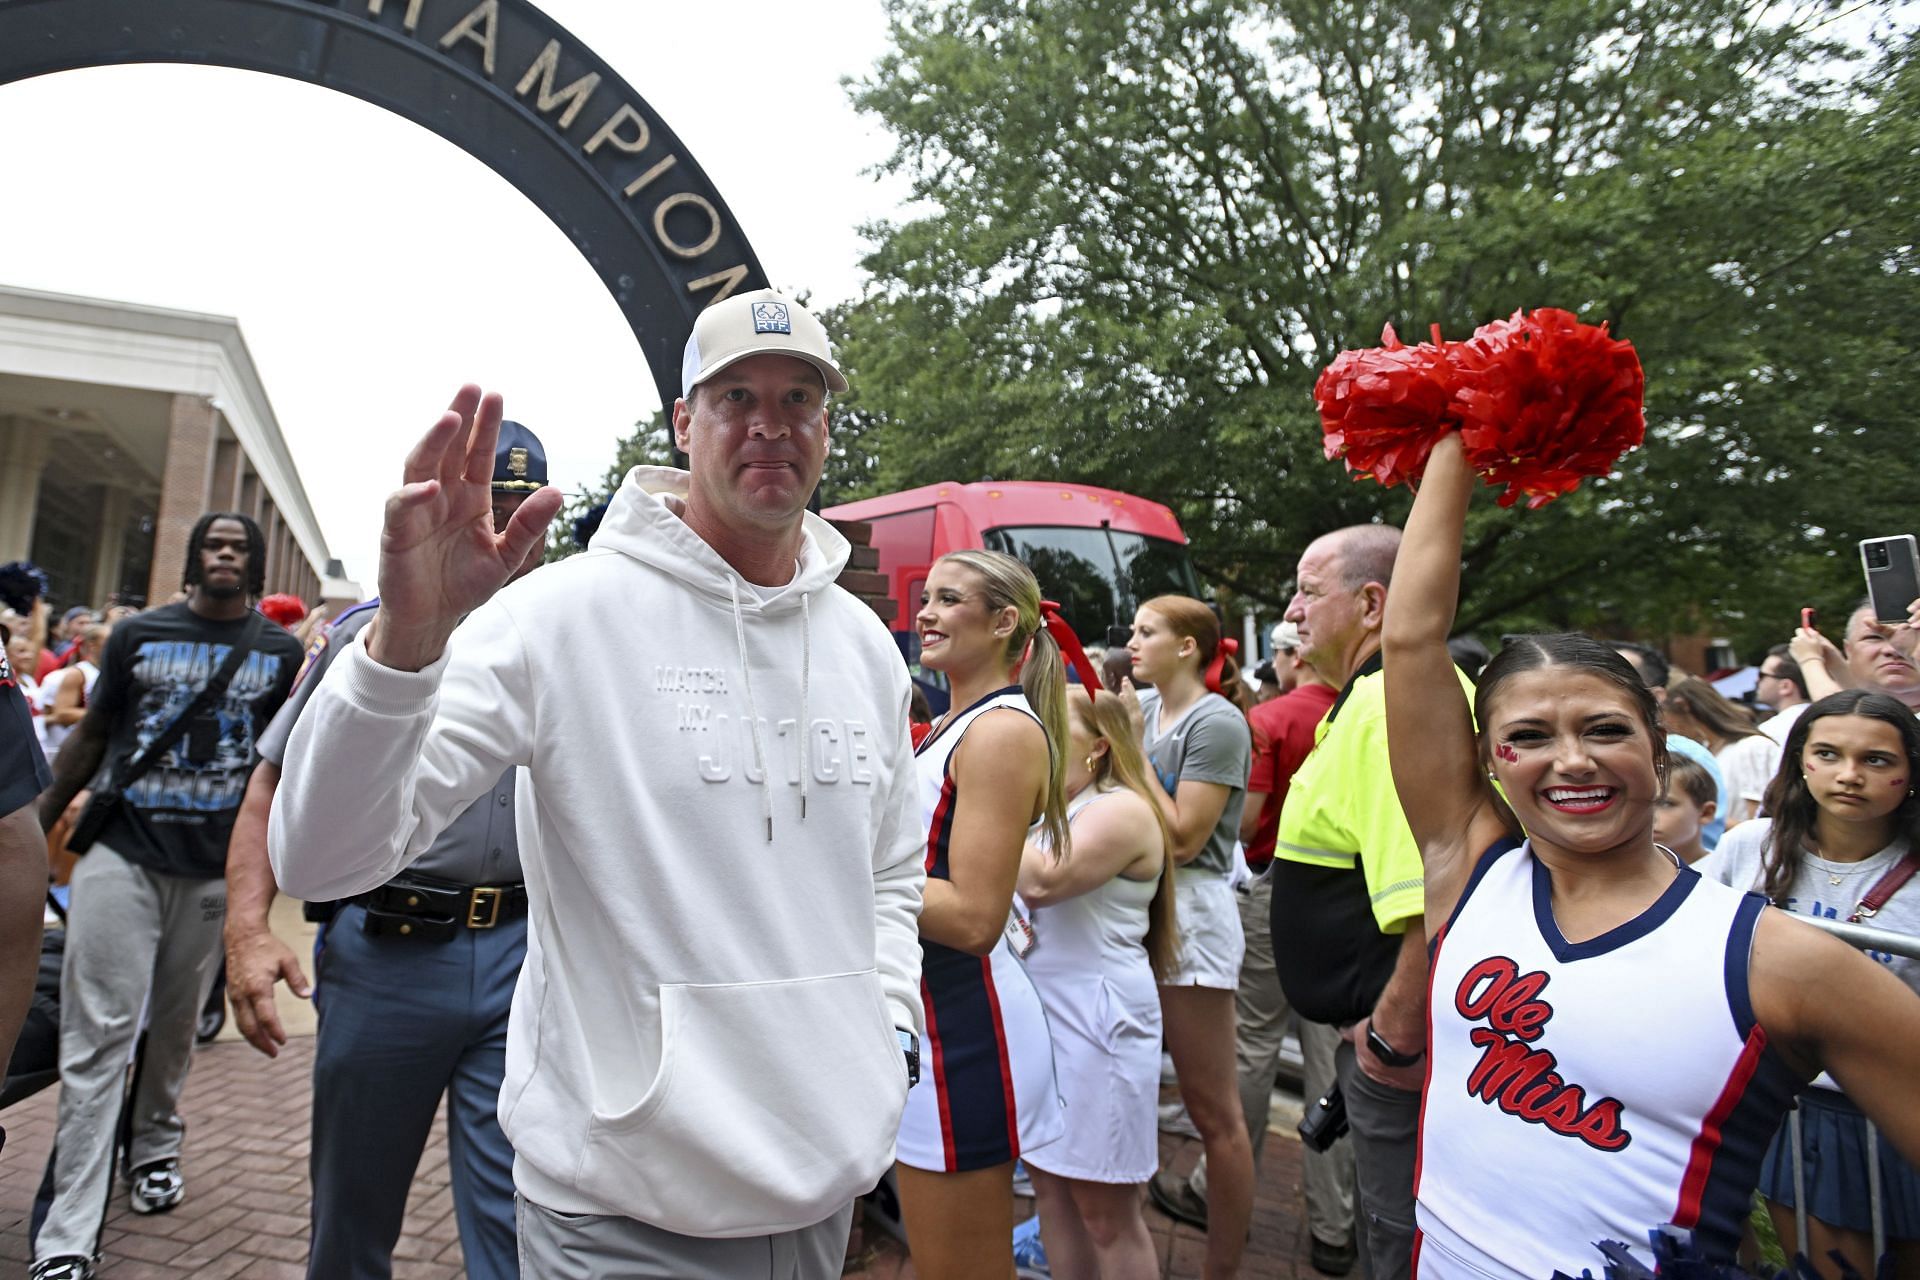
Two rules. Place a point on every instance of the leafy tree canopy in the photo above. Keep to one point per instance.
(1141, 228)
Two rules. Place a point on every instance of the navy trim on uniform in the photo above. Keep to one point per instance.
(1739, 951)
(952, 719)
(975, 1093)
(1494, 852)
(1613, 939)
(1749, 1128)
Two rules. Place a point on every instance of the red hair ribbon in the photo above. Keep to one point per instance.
(1220, 655)
(1070, 646)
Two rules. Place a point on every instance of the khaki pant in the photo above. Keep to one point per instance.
(1260, 1016)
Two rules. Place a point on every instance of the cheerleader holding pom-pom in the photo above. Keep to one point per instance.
(1613, 1039)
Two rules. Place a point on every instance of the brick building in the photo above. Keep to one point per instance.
(119, 426)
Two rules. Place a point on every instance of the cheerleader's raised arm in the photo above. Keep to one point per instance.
(1437, 769)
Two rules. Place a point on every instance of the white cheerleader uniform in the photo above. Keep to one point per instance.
(1590, 1091)
(1089, 961)
(986, 1091)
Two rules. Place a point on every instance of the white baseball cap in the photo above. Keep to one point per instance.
(1286, 635)
(751, 324)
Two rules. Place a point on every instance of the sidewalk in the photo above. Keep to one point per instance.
(246, 1209)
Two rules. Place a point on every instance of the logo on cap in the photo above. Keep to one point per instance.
(771, 317)
(517, 462)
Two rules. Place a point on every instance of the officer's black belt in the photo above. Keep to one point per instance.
(436, 910)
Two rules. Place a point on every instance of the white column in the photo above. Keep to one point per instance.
(23, 456)
(110, 544)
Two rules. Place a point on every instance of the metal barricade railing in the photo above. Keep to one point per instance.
(1865, 938)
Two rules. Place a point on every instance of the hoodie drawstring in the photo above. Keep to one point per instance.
(753, 712)
(806, 721)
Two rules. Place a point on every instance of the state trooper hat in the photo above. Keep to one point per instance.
(751, 324)
(519, 460)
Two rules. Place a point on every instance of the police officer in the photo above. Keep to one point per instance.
(415, 980)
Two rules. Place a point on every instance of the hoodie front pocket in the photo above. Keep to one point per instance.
(775, 1104)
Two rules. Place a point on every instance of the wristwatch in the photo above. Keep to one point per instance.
(1387, 1053)
(910, 1048)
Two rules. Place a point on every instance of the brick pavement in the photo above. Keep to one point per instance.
(246, 1209)
(1277, 1250)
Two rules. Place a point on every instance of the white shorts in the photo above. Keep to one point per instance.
(1211, 942)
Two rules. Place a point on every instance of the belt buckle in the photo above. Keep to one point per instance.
(483, 909)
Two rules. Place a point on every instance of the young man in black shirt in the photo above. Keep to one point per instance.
(149, 897)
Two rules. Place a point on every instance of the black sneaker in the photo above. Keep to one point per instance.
(1332, 1259)
(1174, 1196)
(68, 1266)
(157, 1187)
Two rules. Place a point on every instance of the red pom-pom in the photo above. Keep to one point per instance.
(1544, 401)
(1541, 402)
(1383, 409)
(284, 609)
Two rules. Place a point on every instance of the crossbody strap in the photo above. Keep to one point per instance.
(210, 693)
(1888, 885)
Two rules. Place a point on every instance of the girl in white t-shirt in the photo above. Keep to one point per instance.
(1845, 815)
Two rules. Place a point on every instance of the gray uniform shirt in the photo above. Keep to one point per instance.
(1211, 743)
(479, 846)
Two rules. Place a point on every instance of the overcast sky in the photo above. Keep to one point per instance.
(374, 267)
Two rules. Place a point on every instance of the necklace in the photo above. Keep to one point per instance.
(1841, 877)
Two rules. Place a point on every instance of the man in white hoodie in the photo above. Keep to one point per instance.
(715, 1028)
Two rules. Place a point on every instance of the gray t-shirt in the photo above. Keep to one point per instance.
(1737, 862)
(1210, 743)
(479, 846)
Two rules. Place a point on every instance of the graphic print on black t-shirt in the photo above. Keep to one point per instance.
(179, 813)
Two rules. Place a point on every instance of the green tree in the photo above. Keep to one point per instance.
(1149, 225)
(650, 445)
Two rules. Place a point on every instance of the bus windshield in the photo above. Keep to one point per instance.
(1099, 575)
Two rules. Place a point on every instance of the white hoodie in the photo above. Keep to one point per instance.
(724, 909)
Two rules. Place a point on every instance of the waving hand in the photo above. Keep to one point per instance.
(439, 555)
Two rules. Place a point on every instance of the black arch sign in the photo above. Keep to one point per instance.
(497, 78)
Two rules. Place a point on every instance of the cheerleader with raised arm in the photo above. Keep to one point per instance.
(1613, 1038)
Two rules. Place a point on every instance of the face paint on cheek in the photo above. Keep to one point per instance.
(1897, 783)
(1506, 752)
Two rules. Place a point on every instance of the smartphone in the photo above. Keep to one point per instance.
(1893, 575)
(1807, 616)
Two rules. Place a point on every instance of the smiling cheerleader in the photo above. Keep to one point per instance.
(1614, 1039)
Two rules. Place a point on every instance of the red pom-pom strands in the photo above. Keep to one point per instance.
(1546, 402)
(1541, 402)
(1383, 409)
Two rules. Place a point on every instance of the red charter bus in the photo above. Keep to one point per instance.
(1096, 551)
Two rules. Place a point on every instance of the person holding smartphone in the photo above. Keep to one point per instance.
(1878, 656)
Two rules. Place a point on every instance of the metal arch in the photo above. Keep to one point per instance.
(428, 61)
